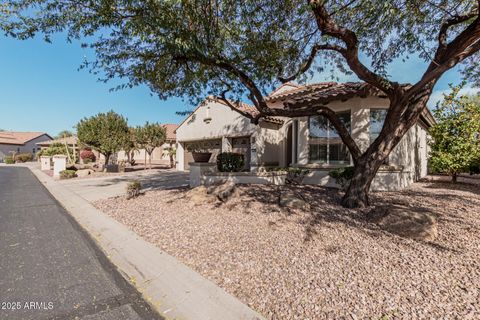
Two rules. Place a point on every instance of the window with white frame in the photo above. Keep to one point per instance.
(325, 145)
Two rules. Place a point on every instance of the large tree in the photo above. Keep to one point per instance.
(148, 137)
(455, 142)
(106, 133)
(231, 48)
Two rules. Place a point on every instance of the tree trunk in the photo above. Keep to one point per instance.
(454, 178)
(145, 160)
(150, 161)
(107, 160)
(356, 195)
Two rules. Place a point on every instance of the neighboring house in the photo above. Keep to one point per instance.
(306, 142)
(160, 155)
(20, 142)
(73, 143)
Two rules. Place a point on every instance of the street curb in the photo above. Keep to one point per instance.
(172, 288)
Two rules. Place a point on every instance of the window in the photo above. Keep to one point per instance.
(325, 145)
(377, 118)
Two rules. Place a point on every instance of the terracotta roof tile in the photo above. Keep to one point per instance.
(69, 140)
(170, 129)
(20, 138)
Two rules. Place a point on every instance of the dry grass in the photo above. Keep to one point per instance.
(325, 263)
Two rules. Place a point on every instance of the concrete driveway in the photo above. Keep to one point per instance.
(92, 189)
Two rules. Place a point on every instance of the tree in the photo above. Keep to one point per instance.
(148, 137)
(235, 48)
(106, 133)
(64, 134)
(130, 145)
(455, 138)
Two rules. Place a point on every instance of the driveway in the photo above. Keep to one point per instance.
(92, 189)
(49, 267)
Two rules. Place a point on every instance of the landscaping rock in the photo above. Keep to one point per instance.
(222, 191)
(292, 200)
(84, 172)
(414, 223)
(199, 195)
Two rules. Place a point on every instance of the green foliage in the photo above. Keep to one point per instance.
(64, 134)
(106, 133)
(53, 149)
(182, 48)
(23, 157)
(133, 189)
(8, 160)
(455, 142)
(68, 174)
(150, 136)
(342, 176)
(474, 167)
(230, 162)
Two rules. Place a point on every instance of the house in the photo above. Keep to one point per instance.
(305, 142)
(20, 142)
(160, 155)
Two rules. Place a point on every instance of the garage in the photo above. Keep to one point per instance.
(213, 146)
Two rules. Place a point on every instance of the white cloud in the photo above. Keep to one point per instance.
(437, 96)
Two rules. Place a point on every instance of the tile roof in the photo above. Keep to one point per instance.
(19, 138)
(69, 140)
(170, 129)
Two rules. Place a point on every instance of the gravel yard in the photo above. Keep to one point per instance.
(324, 263)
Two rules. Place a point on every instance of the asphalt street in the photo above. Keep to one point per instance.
(49, 267)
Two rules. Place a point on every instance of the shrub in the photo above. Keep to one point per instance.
(230, 162)
(474, 167)
(68, 174)
(87, 156)
(133, 189)
(8, 160)
(342, 176)
(23, 157)
(54, 149)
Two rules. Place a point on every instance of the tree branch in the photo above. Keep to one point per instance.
(329, 27)
(308, 63)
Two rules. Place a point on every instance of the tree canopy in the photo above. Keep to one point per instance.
(64, 134)
(455, 143)
(150, 136)
(106, 133)
(233, 49)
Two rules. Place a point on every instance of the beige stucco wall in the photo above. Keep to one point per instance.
(6, 149)
(269, 141)
(225, 122)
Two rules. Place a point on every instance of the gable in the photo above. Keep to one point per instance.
(213, 119)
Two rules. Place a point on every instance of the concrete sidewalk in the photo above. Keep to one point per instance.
(175, 291)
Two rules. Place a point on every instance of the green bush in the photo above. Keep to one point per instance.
(23, 157)
(474, 167)
(133, 189)
(342, 176)
(8, 160)
(230, 162)
(68, 174)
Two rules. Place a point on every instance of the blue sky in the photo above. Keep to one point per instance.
(41, 88)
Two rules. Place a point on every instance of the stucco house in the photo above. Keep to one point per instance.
(160, 155)
(20, 142)
(306, 142)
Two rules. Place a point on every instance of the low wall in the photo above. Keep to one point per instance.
(275, 178)
(207, 174)
(385, 180)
